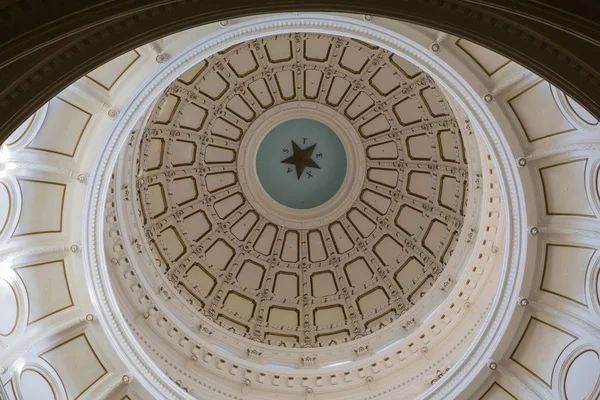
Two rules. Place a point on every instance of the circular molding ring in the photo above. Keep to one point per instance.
(286, 216)
(474, 359)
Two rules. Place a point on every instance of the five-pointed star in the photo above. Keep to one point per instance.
(301, 158)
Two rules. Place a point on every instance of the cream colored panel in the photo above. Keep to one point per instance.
(284, 316)
(266, 240)
(337, 91)
(167, 110)
(354, 59)
(77, 364)
(381, 320)
(251, 275)
(291, 247)
(407, 111)
(242, 227)
(385, 177)
(565, 271)
(387, 249)
(273, 337)
(448, 144)
(229, 322)
(371, 300)
(316, 247)
(537, 112)
(279, 50)
(323, 284)
(383, 151)
(375, 126)
(65, 119)
(419, 147)
(420, 184)
(497, 392)
(196, 225)
(219, 254)
(358, 272)
(582, 376)
(213, 85)
(173, 243)
(228, 205)
(363, 224)
(333, 337)
(10, 308)
(540, 347)
(286, 84)
(376, 201)
(565, 190)
(329, 315)
(240, 108)
(317, 48)
(408, 69)
(217, 155)
(107, 75)
(220, 180)
(286, 284)
(156, 200)
(193, 73)
(155, 149)
(434, 237)
(201, 279)
(449, 192)
(226, 130)
(183, 152)
(261, 92)
(42, 207)
(433, 103)
(360, 104)
(408, 274)
(489, 61)
(34, 386)
(312, 83)
(243, 63)
(184, 191)
(240, 304)
(192, 116)
(409, 219)
(341, 239)
(385, 81)
(47, 289)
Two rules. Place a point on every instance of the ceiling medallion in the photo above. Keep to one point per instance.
(301, 159)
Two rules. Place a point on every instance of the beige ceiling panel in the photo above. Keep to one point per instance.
(185, 190)
(42, 207)
(341, 240)
(317, 48)
(107, 75)
(317, 250)
(183, 153)
(435, 236)
(286, 84)
(192, 117)
(219, 155)
(201, 279)
(242, 227)
(565, 191)
(565, 271)
(285, 316)
(387, 249)
(323, 284)
(166, 110)
(489, 61)
(286, 284)
(64, 118)
(420, 184)
(189, 76)
(408, 111)
(227, 205)
(540, 347)
(227, 130)
(240, 107)
(419, 147)
(449, 192)
(537, 113)
(77, 364)
(259, 89)
(363, 224)
(337, 91)
(266, 239)
(173, 243)
(376, 201)
(409, 219)
(409, 273)
(47, 288)
(382, 176)
(313, 79)
(385, 80)
(371, 300)
(219, 254)
(155, 152)
(383, 151)
(196, 225)
(375, 126)
(220, 180)
(279, 50)
(290, 250)
(329, 315)
(243, 63)
(251, 274)
(240, 304)
(354, 59)
(358, 272)
(156, 200)
(213, 85)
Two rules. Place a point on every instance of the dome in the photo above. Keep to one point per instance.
(302, 206)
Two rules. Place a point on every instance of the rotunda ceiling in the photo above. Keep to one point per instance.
(301, 190)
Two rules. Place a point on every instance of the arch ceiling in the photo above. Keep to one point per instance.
(385, 294)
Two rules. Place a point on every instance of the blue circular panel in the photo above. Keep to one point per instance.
(287, 150)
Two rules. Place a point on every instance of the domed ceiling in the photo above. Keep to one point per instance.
(369, 154)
